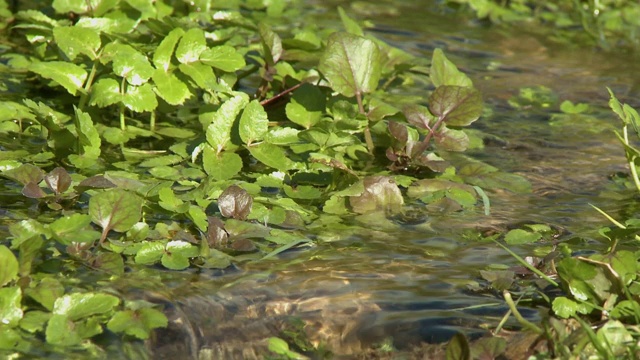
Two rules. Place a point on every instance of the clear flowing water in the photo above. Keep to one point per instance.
(419, 283)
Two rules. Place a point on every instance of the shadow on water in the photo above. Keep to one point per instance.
(416, 285)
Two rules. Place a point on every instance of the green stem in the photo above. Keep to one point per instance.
(152, 122)
(87, 86)
(524, 322)
(123, 91)
(632, 159)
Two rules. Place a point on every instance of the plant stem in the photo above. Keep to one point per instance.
(524, 322)
(87, 86)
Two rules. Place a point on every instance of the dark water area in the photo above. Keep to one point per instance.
(420, 283)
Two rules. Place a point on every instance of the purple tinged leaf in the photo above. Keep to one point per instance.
(418, 116)
(398, 131)
(243, 245)
(33, 191)
(115, 210)
(451, 139)
(94, 182)
(235, 202)
(25, 174)
(456, 105)
(58, 180)
(217, 236)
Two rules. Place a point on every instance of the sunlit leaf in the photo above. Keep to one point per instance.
(177, 254)
(115, 210)
(235, 202)
(149, 253)
(200, 73)
(105, 92)
(68, 75)
(140, 98)
(306, 106)
(350, 25)
(218, 132)
(128, 63)
(81, 305)
(170, 88)
(253, 123)
(8, 266)
(444, 72)
(452, 139)
(271, 44)
(191, 45)
(222, 166)
(223, 57)
(74, 40)
(271, 155)
(351, 64)
(10, 308)
(88, 137)
(46, 292)
(164, 51)
(456, 105)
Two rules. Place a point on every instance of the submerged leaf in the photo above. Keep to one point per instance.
(351, 64)
(380, 193)
(235, 202)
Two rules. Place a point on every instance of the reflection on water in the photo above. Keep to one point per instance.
(418, 285)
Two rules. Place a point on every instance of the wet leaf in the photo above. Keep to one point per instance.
(243, 245)
(115, 210)
(73, 228)
(235, 202)
(224, 57)
(191, 45)
(46, 292)
(615, 333)
(452, 139)
(10, 308)
(444, 72)
(254, 123)
(519, 236)
(149, 253)
(105, 92)
(95, 182)
(164, 51)
(458, 348)
(351, 64)
(566, 308)
(58, 180)
(25, 174)
(456, 105)
(77, 306)
(68, 75)
(219, 126)
(138, 323)
(488, 348)
(177, 253)
(75, 40)
(8, 266)
(169, 201)
(222, 166)
(380, 193)
(33, 191)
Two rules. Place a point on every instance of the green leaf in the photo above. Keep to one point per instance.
(519, 236)
(88, 137)
(170, 88)
(46, 292)
(8, 266)
(350, 25)
(128, 63)
(452, 139)
(10, 307)
(222, 166)
(224, 57)
(306, 106)
(566, 308)
(169, 201)
(138, 323)
(200, 73)
(444, 72)
(62, 331)
(73, 228)
(271, 44)
(68, 75)
(74, 40)
(177, 254)
(271, 155)
(77, 306)
(105, 92)
(458, 348)
(351, 64)
(380, 193)
(191, 46)
(149, 253)
(254, 123)
(456, 105)
(115, 209)
(164, 51)
(219, 129)
(140, 98)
